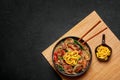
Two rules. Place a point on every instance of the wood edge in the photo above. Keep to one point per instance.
(105, 24)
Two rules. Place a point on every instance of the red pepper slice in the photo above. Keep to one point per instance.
(55, 56)
(55, 53)
(63, 52)
(80, 52)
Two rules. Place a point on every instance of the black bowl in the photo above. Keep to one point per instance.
(103, 60)
(80, 73)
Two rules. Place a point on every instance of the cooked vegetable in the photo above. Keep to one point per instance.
(78, 43)
(60, 67)
(55, 57)
(60, 58)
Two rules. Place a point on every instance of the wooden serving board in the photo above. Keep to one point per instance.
(98, 70)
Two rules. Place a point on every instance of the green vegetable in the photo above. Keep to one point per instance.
(60, 67)
(78, 43)
(65, 50)
(79, 58)
(60, 58)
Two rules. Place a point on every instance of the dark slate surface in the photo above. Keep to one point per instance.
(27, 27)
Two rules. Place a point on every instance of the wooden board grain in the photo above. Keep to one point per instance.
(98, 70)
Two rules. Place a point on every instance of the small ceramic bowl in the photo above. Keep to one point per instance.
(105, 45)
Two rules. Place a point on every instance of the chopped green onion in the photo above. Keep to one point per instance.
(60, 68)
(60, 58)
(65, 50)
